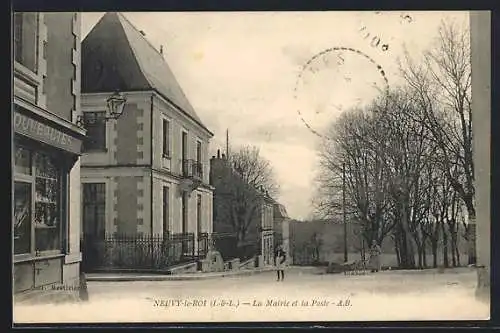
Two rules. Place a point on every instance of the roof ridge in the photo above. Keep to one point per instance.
(134, 51)
(140, 33)
(153, 67)
(132, 46)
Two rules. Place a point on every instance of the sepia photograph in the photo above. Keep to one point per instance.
(183, 167)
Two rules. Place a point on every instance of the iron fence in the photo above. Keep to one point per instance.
(203, 244)
(136, 252)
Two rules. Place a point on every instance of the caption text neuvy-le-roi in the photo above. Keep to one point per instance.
(200, 303)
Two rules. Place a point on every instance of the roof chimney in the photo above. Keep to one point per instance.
(161, 49)
(142, 32)
(218, 153)
(223, 156)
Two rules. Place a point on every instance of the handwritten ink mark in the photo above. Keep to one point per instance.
(406, 18)
(375, 40)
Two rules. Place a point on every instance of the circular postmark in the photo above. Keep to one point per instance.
(333, 80)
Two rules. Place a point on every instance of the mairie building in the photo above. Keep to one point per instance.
(146, 173)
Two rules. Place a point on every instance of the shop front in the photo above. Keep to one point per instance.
(45, 150)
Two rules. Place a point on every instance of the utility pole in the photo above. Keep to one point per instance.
(343, 213)
(227, 143)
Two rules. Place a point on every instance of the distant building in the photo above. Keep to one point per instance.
(281, 226)
(320, 241)
(46, 150)
(147, 172)
(323, 241)
(230, 193)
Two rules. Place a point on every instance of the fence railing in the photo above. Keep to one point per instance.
(140, 252)
(203, 244)
(160, 251)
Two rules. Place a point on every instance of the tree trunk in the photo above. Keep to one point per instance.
(445, 246)
(454, 247)
(420, 258)
(407, 252)
(396, 249)
(457, 252)
(453, 254)
(424, 253)
(434, 253)
(471, 233)
(419, 251)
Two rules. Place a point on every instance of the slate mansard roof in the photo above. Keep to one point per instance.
(280, 211)
(117, 56)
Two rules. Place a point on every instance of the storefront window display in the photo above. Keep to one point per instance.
(37, 201)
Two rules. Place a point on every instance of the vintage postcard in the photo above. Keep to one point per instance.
(250, 166)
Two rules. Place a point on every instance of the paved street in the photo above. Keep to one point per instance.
(395, 295)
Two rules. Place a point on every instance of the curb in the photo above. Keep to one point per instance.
(200, 276)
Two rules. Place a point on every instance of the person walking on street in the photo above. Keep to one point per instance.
(375, 252)
(280, 262)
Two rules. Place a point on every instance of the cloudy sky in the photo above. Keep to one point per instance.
(252, 73)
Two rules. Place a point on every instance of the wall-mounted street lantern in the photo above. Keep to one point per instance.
(115, 105)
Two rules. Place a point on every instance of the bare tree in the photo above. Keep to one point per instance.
(240, 188)
(254, 169)
(442, 89)
(349, 146)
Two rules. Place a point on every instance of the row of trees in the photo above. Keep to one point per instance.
(407, 157)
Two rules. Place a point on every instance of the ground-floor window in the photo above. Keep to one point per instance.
(22, 217)
(39, 194)
(94, 209)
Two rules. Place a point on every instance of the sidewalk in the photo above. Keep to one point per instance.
(174, 277)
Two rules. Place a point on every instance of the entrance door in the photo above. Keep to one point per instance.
(94, 224)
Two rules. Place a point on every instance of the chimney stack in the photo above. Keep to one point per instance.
(218, 153)
(223, 156)
(161, 49)
(143, 33)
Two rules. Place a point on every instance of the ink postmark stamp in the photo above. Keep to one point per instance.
(333, 80)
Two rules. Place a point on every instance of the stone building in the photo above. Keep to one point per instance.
(255, 223)
(146, 172)
(281, 226)
(46, 149)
